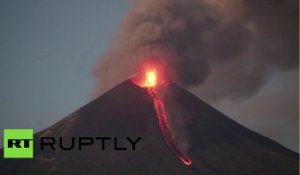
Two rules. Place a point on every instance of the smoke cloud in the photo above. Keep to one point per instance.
(226, 48)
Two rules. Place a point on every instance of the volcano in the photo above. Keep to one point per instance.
(217, 145)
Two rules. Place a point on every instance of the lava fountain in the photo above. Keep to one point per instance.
(152, 79)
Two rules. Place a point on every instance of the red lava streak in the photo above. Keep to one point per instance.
(151, 80)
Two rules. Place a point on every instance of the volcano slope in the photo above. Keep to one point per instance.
(217, 145)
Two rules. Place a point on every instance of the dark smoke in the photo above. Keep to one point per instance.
(229, 46)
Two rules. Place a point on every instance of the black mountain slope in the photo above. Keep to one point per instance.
(217, 145)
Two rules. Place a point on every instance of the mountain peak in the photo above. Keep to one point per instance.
(215, 143)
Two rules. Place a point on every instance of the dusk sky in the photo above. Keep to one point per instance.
(49, 48)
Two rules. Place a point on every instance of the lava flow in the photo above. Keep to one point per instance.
(151, 81)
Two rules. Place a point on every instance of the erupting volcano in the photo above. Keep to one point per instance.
(152, 81)
(142, 108)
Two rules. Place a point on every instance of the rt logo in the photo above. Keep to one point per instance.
(18, 143)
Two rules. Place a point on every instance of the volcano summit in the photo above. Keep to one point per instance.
(217, 144)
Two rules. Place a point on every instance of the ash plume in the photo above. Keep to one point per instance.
(231, 45)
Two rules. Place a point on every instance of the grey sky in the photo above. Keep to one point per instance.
(47, 52)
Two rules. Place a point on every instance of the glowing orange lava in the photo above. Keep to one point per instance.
(151, 80)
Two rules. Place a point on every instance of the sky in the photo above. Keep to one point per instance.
(48, 50)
